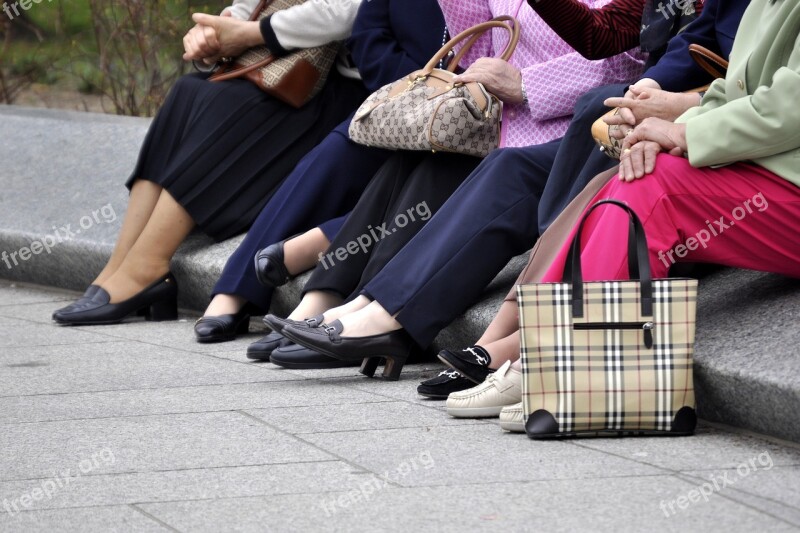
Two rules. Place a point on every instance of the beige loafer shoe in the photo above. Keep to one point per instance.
(503, 387)
(511, 418)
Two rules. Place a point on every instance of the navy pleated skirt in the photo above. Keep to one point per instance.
(221, 149)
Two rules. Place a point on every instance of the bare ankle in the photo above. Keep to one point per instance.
(302, 252)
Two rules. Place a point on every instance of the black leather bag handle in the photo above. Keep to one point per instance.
(638, 261)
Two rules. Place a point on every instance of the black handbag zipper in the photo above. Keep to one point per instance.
(647, 327)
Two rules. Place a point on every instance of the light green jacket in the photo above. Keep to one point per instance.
(754, 113)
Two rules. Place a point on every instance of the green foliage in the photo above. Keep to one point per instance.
(128, 50)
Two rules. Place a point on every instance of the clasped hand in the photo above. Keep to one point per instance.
(643, 144)
(215, 37)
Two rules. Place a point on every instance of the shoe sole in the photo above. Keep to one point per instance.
(433, 396)
(474, 412)
(216, 339)
(314, 366)
(449, 364)
(513, 427)
(259, 356)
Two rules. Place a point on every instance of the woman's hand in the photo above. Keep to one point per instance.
(500, 78)
(226, 36)
(648, 102)
(201, 43)
(645, 142)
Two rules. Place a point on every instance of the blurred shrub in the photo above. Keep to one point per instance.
(127, 50)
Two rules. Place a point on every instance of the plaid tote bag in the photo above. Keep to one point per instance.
(609, 357)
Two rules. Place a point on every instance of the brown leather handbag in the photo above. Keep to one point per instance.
(295, 78)
(712, 63)
(427, 111)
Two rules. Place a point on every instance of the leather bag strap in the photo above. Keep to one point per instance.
(712, 63)
(472, 35)
(637, 248)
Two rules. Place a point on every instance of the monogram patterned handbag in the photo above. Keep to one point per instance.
(608, 357)
(427, 111)
(295, 78)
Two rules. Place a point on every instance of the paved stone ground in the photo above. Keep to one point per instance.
(136, 427)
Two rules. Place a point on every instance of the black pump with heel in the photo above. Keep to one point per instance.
(157, 303)
(222, 328)
(393, 347)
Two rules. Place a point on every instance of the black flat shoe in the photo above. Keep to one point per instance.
(222, 328)
(300, 357)
(472, 362)
(261, 350)
(270, 267)
(158, 302)
(440, 387)
(393, 347)
(87, 295)
(277, 324)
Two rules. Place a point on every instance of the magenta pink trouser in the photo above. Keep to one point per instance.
(740, 215)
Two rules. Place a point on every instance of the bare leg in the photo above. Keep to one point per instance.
(504, 324)
(300, 254)
(149, 257)
(143, 199)
(505, 349)
(372, 319)
(315, 303)
(225, 304)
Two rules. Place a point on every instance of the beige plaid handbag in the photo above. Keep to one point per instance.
(295, 78)
(608, 357)
(427, 111)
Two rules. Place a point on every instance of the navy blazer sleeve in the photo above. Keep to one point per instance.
(715, 29)
(392, 38)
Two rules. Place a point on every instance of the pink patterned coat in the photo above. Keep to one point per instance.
(554, 74)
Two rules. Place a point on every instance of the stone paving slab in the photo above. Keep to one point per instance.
(461, 453)
(107, 366)
(709, 448)
(116, 518)
(148, 443)
(775, 491)
(176, 399)
(333, 418)
(191, 484)
(613, 505)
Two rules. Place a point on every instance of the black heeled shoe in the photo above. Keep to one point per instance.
(158, 302)
(270, 267)
(222, 328)
(91, 290)
(294, 356)
(394, 347)
(276, 323)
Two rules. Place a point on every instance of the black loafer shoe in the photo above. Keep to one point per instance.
(472, 362)
(277, 324)
(270, 267)
(262, 349)
(393, 347)
(440, 387)
(299, 357)
(80, 302)
(221, 328)
(158, 302)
